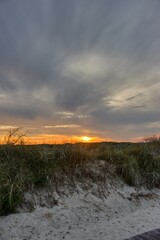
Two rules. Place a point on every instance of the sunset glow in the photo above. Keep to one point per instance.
(50, 135)
(73, 71)
(86, 139)
(62, 139)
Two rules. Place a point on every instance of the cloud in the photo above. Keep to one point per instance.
(63, 126)
(88, 67)
(88, 63)
(5, 84)
(133, 97)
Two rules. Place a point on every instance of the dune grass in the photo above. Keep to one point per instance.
(24, 167)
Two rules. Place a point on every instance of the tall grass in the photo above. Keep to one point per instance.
(24, 167)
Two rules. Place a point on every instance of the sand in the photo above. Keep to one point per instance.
(124, 213)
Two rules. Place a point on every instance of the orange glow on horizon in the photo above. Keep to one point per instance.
(56, 139)
(86, 139)
(62, 139)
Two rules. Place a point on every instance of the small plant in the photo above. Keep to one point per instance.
(15, 136)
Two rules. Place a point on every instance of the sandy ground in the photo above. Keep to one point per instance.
(124, 213)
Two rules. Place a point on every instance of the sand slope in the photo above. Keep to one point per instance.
(124, 213)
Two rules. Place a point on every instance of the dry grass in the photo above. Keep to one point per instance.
(24, 167)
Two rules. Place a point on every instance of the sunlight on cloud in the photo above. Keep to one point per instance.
(65, 115)
(154, 125)
(69, 115)
(126, 98)
(63, 126)
(4, 127)
(87, 66)
(81, 116)
(43, 94)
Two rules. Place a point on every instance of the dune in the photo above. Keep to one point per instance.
(122, 213)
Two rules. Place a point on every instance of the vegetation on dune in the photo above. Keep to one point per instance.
(23, 167)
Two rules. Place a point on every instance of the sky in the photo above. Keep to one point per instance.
(78, 68)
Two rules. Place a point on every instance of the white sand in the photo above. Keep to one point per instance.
(86, 217)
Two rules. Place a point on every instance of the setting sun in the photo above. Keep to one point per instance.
(86, 139)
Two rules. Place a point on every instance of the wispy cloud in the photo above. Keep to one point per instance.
(93, 64)
(63, 126)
